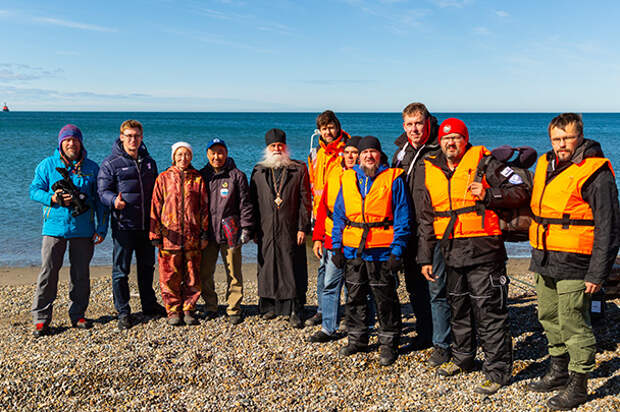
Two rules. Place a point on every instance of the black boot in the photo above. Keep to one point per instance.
(575, 393)
(555, 378)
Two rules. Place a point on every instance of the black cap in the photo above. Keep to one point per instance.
(369, 142)
(275, 136)
(353, 141)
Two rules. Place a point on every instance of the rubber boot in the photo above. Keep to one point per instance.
(555, 378)
(575, 393)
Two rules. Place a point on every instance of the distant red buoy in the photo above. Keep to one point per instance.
(5, 108)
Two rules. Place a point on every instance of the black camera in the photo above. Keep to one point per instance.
(78, 203)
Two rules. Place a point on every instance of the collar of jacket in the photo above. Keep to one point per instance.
(210, 171)
(336, 145)
(587, 148)
(117, 149)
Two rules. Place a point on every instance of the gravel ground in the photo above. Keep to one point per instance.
(257, 365)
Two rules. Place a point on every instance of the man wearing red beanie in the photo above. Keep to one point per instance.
(455, 210)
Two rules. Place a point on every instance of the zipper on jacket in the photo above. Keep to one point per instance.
(141, 193)
(182, 208)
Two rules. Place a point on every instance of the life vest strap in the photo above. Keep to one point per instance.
(385, 223)
(479, 208)
(565, 221)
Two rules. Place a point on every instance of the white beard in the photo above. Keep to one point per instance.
(274, 161)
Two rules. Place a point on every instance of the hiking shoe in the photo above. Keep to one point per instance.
(450, 369)
(268, 315)
(41, 329)
(157, 311)
(387, 355)
(175, 319)
(352, 349)
(124, 322)
(189, 319)
(82, 324)
(315, 320)
(235, 319)
(487, 387)
(439, 356)
(322, 337)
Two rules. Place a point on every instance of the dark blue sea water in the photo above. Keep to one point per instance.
(27, 137)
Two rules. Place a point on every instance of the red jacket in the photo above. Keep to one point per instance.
(179, 212)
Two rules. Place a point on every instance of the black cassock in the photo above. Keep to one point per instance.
(282, 265)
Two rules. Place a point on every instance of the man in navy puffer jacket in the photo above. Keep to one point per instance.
(125, 184)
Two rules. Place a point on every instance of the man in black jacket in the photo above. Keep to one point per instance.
(455, 209)
(428, 299)
(575, 237)
(125, 184)
(231, 218)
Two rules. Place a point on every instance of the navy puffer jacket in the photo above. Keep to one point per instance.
(135, 179)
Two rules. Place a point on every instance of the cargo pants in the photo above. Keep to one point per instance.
(564, 313)
(234, 277)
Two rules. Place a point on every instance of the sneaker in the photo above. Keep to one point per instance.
(175, 319)
(487, 387)
(450, 369)
(41, 329)
(82, 323)
(189, 319)
(235, 319)
(321, 337)
(387, 355)
(124, 322)
(352, 349)
(439, 356)
(157, 311)
(315, 320)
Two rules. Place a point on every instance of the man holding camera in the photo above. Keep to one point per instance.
(69, 207)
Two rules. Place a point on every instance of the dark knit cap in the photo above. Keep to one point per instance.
(369, 142)
(353, 141)
(275, 136)
(69, 131)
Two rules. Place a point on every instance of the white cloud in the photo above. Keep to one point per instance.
(502, 13)
(72, 24)
(12, 72)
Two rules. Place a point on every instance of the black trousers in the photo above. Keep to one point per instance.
(478, 298)
(360, 277)
(419, 297)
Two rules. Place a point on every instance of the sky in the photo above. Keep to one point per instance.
(307, 56)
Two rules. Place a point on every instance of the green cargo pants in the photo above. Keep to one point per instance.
(564, 313)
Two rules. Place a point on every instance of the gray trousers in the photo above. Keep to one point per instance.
(52, 254)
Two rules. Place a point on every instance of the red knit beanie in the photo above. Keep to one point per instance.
(453, 125)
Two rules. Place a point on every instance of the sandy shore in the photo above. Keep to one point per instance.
(257, 365)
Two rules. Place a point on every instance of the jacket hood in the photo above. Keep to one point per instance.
(117, 149)
(432, 138)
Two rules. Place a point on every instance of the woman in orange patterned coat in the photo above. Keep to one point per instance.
(179, 222)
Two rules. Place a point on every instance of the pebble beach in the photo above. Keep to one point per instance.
(259, 364)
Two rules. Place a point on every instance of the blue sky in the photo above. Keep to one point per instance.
(355, 55)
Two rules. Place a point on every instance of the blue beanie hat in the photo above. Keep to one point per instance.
(67, 132)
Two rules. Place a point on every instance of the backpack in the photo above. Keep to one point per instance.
(514, 223)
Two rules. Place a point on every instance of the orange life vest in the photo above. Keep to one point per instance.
(327, 158)
(333, 188)
(457, 211)
(563, 221)
(370, 220)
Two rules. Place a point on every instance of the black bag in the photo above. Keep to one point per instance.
(514, 223)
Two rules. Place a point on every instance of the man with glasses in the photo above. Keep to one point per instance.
(125, 185)
(575, 237)
(454, 208)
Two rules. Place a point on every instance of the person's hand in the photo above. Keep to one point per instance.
(592, 287)
(245, 236)
(301, 236)
(203, 243)
(394, 263)
(97, 239)
(427, 272)
(63, 199)
(477, 190)
(119, 203)
(317, 249)
(338, 259)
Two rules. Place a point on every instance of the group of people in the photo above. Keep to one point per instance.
(434, 213)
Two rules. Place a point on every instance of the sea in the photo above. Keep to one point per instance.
(28, 137)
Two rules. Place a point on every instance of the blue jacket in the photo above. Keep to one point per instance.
(135, 179)
(57, 220)
(400, 210)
